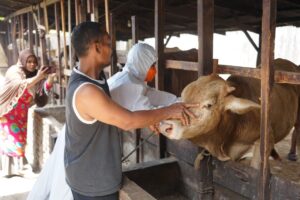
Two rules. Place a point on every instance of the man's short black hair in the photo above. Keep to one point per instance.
(84, 34)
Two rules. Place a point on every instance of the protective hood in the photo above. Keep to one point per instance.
(139, 59)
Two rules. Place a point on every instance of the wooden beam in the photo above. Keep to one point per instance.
(182, 65)
(279, 77)
(239, 6)
(267, 80)
(19, 2)
(294, 3)
(30, 8)
(251, 40)
(7, 8)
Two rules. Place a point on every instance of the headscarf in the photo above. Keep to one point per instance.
(15, 83)
(139, 59)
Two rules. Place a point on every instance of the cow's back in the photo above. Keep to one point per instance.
(284, 100)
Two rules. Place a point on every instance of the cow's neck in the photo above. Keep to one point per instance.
(216, 140)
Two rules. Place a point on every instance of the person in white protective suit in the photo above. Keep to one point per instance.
(129, 89)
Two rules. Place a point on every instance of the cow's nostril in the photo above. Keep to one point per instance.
(169, 130)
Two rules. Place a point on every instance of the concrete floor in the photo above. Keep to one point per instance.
(17, 187)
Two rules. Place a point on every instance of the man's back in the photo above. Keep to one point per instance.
(93, 168)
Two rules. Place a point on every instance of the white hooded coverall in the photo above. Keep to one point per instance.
(128, 87)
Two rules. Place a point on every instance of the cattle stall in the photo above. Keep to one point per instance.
(164, 168)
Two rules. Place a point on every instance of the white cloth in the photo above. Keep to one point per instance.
(128, 88)
(51, 184)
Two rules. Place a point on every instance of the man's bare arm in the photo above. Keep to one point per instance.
(92, 103)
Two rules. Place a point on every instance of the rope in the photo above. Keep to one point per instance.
(138, 146)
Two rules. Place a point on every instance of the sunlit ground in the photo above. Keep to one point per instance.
(17, 187)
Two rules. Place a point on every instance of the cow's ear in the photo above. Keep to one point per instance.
(240, 106)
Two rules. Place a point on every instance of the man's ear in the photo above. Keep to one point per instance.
(97, 46)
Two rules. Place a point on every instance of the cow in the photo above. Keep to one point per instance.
(227, 122)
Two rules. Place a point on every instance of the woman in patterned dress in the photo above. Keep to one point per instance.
(23, 86)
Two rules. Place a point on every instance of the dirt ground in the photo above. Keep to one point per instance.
(286, 169)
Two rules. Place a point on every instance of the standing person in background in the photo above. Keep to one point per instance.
(23, 86)
(129, 87)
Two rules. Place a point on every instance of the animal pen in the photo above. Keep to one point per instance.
(164, 168)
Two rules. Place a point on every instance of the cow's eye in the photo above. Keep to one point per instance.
(208, 106)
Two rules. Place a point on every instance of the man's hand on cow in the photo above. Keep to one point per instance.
(154, 128)
(181, 111)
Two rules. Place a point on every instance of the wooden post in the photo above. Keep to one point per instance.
(21, 32)
(83, 11)
(46, 17)
(8, 37)
(45, 14)
(250, 40)
(205, 36)
(44, 59)
(113, 65)
(107, 15)
(63, 26)
(159, 47)
(57, 27)
(30, 28)
(77, 11)
(258, 58)
(95, 14)
(267, 80)
(36, 38)
(14, 43)
(134, 29)
(89, 7)
(205, 20)
(135, 36)
(71, 57)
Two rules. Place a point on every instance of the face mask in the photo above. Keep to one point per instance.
(150, 74)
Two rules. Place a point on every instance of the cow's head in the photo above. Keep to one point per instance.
(215, 98)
